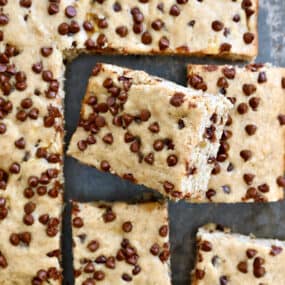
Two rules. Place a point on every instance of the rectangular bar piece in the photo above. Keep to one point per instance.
(250, 163)
(118, 243)
(149, 131)
(226, 258)
(221, 28)
(31, 175)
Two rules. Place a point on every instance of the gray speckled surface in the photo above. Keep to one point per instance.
(87, 184)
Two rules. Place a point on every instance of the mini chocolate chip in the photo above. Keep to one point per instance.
(242, 108)
(223, 280)
(250, 253)
(168, 186)
(199, 274)
(122, 31)
(254, 103)
(70, 11)
(109, 216)
(163, 43)
(217, 26)
(127, 227)
(248, 178)
(246, 154)
(154, 127)
(248, 89)
(174, 10)
(210, 193)
(177, 99)
(93, 245)
(155, 248)
(126, 277)
(77, 222)
(275, 250)
(280, 181)
(206, 246)
(158, 145)
(108, 138)
(264, 188)
(262, 77)
(250, 129)
(163, 231)
(248, 37)
(46, 51)
(242, 267)
(229, 72)
(172, 160)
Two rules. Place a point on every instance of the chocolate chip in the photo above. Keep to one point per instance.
(93, 245)
(280, 181)
(155, 248)
(158, 145)
(174, 10)
(168, 186)
(149, 158)
(126, 277)
(177, 99)
(223, 280)
(262, 77)
(108, 138)
(82, 145)
(163, 43)
(251, 253)
(246, 155)
(53, 8)
(109, 216)
(248, 89)
(46, 51)
(199, 274)
(217, 26)
(242, 267)
(250, 129)
(127, 227)
(248, 37)
(229, 72)
(225, 47)
(157, 25)
(15, 168)
(206, 246)
(275, 250)
(248, 178)
(163, 231)
(70, 11)
(99, 275)
(210, 193)
(242, 108)
(171, 160)
(146, 38)
(264, 188)
(104, 165)
(154, 127)
(77, 222)
(254, 103)
(281, 119)
(122, 31)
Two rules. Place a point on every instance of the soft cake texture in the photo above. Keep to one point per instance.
(226, 258)
(118, 243)
(137, 27)
(250, 163)
(149, 131)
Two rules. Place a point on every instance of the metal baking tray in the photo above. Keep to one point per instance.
(84, 183)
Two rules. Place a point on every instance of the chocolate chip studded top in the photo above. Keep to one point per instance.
(31, 133)
(148, 131)
(185, 27)
(148, 27)
(250, 163)
(119, 243)
(226, 258)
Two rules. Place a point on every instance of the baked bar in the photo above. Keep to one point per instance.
(120, 243)
(31, 145)
(136, 27)
(226, 258)
(174, 27)
(149, 131)
(250, 162)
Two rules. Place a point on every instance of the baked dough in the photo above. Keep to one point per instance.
(149, 131)
(250, 163)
